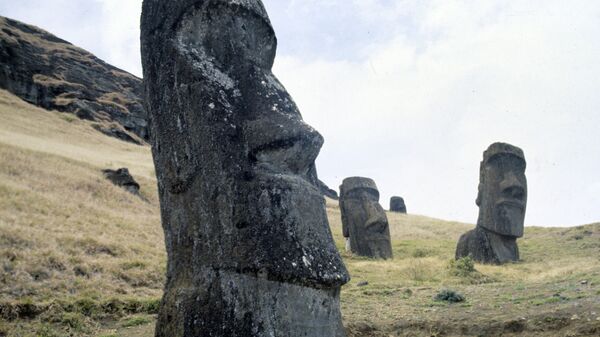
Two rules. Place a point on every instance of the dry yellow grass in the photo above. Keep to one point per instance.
(67, 235)
(32, 128)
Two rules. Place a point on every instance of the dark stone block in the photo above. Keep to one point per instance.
(502, 200)
(364, 223)
(397, 205)
(250, 252)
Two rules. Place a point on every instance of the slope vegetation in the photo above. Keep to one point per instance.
(54, 74)
(81, 257)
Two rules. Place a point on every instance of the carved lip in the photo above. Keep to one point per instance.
(512, 203)
(275, 145)
(290, 156)
(285, 178)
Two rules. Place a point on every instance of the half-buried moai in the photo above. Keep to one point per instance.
(364, 223)
(397, 205)
(502, 199)
(250, 252)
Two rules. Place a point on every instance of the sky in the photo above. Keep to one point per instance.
(411, 92)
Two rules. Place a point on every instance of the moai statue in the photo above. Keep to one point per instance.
(502, 199)
(364, 223)
(250, 252)
(397, 205)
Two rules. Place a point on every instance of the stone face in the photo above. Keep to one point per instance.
(364, 223)
(397, 205)
(502, 200)
(52, 73)
(122, 178)
(250, 252)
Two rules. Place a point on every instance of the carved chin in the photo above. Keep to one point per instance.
(509, 218)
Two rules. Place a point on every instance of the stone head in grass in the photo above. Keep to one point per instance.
(502, 200)
(250, 252)
(364, 223)
(397, 205)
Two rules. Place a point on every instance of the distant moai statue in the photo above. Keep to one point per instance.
(364, 223)
(502, 200)
(397, 205)
(250, 251)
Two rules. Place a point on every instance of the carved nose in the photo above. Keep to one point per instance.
(512, 187)
(288, 145)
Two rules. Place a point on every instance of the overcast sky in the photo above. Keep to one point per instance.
(410, 93)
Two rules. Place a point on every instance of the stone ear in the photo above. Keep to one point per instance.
(481, 182)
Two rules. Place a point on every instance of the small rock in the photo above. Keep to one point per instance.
(574, 317)
(122, 178)
(584, 282)
(362, 284)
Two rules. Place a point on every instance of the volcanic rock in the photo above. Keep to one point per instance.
(502, 199)
(397, 205)
(49, 72)
(364, 223)
(250, 252)
(122, 178)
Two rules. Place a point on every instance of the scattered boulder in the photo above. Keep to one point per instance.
(122, 178)
(250, 252)
(450, 296)
(52, 73)
(364, 223)
(397, 205)
(502, 200)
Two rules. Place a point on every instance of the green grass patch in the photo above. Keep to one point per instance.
(450, 296)
(135, 321)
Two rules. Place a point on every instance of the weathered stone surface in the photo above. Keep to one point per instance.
(397, 205)
(53, 74)
(364, 223)
(250, 252)
(502, 200)
(122, 178)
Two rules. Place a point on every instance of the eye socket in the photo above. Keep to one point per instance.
(361, 193)
(514, 192)
(504, 162)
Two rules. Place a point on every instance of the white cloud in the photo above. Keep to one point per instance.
(121, 33)
(411, 92)
(417, 115)
(107, 28)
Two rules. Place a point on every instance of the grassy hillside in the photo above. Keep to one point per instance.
(81, 257)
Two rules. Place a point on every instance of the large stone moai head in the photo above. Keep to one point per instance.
(502, 196)
(397, 205)
(250, 252)
(502, 200)
(364, 222)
